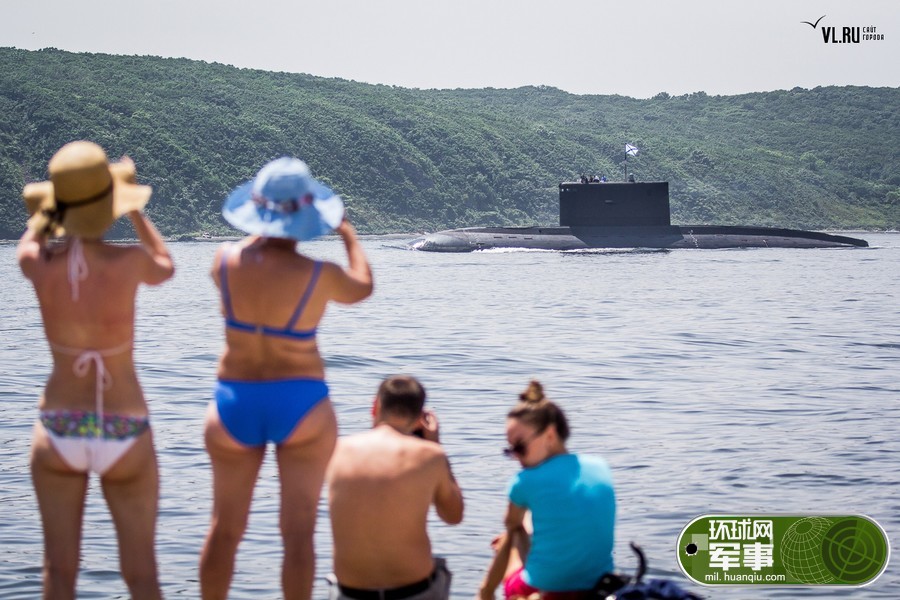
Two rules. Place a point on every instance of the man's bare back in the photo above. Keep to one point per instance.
(382, 483)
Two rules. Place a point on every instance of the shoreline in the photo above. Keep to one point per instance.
(234, 238)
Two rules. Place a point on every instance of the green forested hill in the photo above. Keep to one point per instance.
(408, 160)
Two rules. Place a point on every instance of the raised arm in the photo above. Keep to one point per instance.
(160, 267)
(31, 245)
(355, 282)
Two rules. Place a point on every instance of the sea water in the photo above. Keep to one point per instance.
(712, 381)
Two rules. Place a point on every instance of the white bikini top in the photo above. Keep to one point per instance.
(78, 269)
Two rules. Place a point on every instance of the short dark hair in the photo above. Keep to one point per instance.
(535, 410)
(402, 395)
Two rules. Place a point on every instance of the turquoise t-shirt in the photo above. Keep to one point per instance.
(573, 509)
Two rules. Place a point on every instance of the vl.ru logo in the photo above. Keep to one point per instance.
(846, 35)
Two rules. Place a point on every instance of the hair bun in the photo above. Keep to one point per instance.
(533, 393)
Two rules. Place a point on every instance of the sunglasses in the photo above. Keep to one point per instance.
(520, 447)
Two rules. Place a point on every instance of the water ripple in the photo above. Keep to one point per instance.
(732, 381)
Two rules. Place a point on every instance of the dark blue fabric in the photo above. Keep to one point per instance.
(660, 589)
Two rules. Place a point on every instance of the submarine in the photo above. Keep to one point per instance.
(623, 215)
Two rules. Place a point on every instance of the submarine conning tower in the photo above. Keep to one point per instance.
(614, 204)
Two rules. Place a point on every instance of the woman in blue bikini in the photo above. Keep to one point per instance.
(93, 416)
(271, 379)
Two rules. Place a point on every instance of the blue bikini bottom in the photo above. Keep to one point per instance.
(257, 412)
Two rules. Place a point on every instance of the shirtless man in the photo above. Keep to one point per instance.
(381, 485)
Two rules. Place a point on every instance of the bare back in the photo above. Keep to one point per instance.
(100, 319)
(381, 486)
(266, 282)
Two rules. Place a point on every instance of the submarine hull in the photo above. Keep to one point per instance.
(623, 215)
(671, 237)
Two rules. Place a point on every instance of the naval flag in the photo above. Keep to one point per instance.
(631, 150)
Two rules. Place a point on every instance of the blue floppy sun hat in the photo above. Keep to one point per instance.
(284, 201)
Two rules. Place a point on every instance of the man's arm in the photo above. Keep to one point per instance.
(448, 499)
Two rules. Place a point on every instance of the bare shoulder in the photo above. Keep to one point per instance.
(118, 250)
(432, 453)
(220, 255)
(331, 270)
(28, 253)
(349, 442)
(332, 277)
(221, 250)
(338, 459)
(134, 263)
(352, 453)
(130, 254)
(33, 251)
(357, 443)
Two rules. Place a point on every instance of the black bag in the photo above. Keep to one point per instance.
(638, 589)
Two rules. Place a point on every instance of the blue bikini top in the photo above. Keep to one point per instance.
(286, 331)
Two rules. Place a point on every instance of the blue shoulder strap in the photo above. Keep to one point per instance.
(223, 282)
(317, 268)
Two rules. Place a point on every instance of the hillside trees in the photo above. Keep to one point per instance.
(408, 160)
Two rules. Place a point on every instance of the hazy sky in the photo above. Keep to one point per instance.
(629, 47)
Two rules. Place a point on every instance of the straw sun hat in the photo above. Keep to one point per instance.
(86, 193)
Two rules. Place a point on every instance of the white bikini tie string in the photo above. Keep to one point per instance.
(78, 269)
(82, 366)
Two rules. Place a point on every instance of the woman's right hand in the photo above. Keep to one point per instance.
(160, 267)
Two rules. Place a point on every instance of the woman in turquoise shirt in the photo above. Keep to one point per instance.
(571, 502)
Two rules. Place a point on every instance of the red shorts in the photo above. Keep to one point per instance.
(514, 587)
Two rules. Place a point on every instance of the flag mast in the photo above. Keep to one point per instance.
(633, 151)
